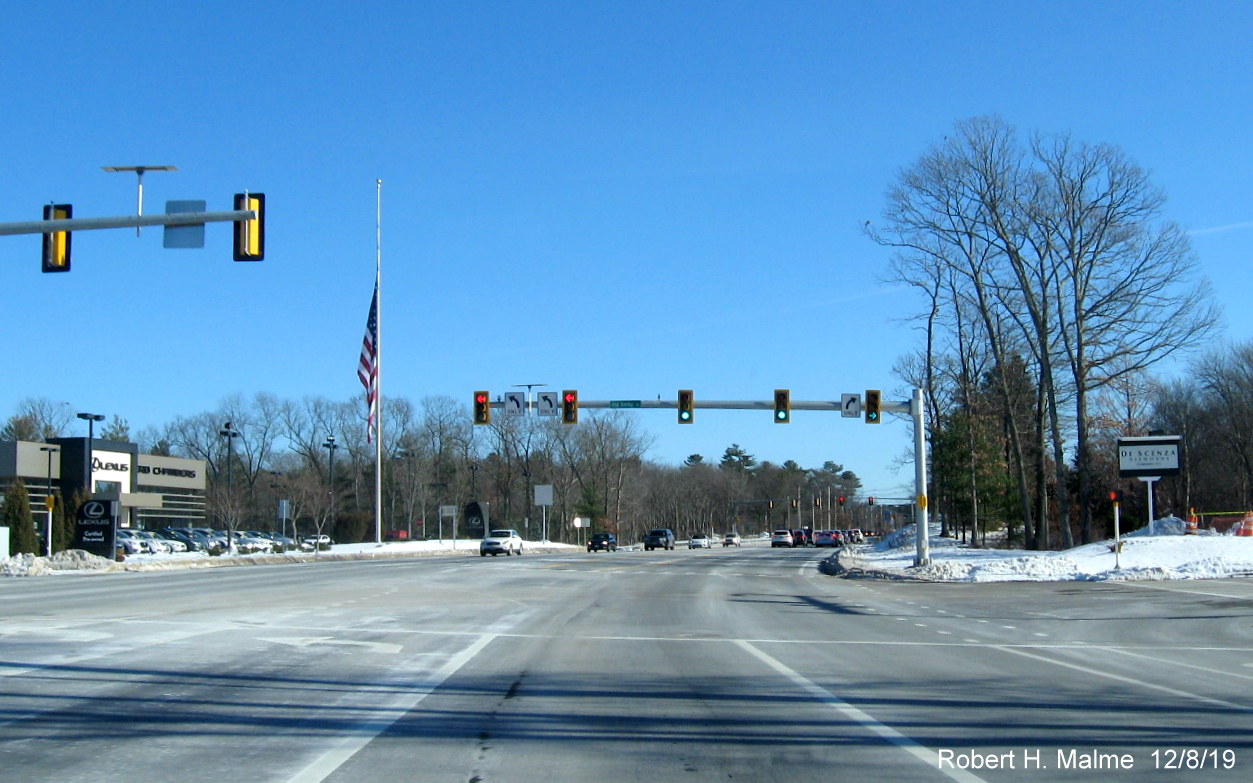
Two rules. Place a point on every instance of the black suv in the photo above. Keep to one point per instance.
(605, 541)
(659, 538)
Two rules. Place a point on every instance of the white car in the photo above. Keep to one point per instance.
(731, 539)
(698, 541)
(316, 542)
(130, 543)
(501, 540)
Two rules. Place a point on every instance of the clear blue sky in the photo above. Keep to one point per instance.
(626, 198)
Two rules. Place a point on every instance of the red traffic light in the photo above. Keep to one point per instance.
(840, 500)
(570, 406)
(482, 408)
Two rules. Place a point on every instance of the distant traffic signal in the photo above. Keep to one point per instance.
(686, 403)
(840, 500)
(570, 407)
(56, 257)
(870, 501)
(872, 406)
(482, 407)
(782, 406)
(250, 234)
(1115, 495)
(795, 502)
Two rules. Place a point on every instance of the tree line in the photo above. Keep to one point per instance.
(435, 457)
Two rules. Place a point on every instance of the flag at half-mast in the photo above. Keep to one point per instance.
(368, 367)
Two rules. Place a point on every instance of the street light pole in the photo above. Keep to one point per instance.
(330, 447)
(91, 419)
(230, 433)
(48, 498)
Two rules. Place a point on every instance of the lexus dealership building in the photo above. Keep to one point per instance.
(153, 491)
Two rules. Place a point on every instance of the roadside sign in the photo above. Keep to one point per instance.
(624, 404)
(850, 406)
(1149, 457)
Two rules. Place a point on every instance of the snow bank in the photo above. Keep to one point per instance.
(1159, 551)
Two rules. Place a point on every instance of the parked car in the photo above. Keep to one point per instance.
(193, 542)
(698, 541)
(781, 538)
(605, 541)
(131, 544)
(659, 538)
(501, 540)
(731, 539)
(282, 543)
(160, 543)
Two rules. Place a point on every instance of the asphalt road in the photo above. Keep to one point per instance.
(728, 664)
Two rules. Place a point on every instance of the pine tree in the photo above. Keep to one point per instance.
(17, 517)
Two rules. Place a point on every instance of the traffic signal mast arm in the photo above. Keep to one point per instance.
(764, 405)
(126, 221)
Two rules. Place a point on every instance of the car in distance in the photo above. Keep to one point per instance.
(698, 541)
(731, 539)
(501, 540)
(605, 541)
(781, 538)
(659, 538)
(828, 538)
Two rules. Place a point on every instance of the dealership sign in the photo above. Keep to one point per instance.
(1156, 455)
(96, 530)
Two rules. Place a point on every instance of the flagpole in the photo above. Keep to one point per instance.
(378, 426)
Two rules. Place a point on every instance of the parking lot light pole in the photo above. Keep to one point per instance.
(230, 433)
(91, 419)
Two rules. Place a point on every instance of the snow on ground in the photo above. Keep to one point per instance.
(1161, 551)
(78, 561)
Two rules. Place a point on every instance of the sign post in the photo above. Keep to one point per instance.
(544, 499)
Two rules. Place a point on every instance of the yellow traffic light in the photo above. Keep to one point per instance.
(782, 406)
(482, 407)
(570, 407)
(250, 234)
(686, 403)
(56, 255)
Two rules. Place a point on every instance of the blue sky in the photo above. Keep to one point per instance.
(626, 198)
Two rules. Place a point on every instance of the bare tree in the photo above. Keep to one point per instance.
(1058, 242)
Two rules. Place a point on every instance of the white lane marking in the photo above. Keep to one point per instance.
(910, 746)
(1119, 678)
(1185, 664)
(346, 748)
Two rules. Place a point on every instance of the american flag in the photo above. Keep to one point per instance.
(368, 368)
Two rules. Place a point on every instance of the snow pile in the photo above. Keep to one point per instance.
(71, 560)
(1160, 551)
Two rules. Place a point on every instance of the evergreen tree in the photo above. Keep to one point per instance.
(17, 517)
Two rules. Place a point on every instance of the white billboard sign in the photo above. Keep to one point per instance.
(1156, 455)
